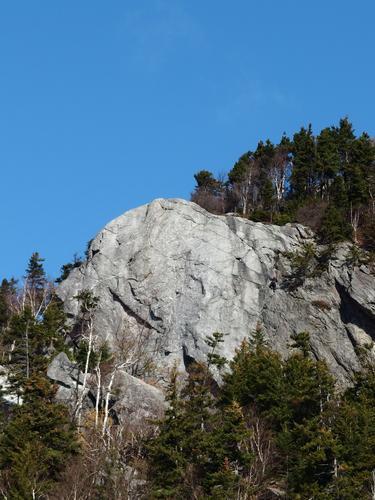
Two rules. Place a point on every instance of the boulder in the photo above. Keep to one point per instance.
(132, 401)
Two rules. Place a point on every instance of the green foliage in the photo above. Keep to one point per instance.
(301, 341)
(280, 219)
(35, 274)
(36, 443)
(37, 437)
(255, 377)
(206, 444)
(297, 179)
(67, 268)
(87, 301)
(304, 174)
(241, 168)
(198, 449)
(328, 158)
(101, 354)
(214, 359)
(334, 227)
(303, 265)
(7, 294)
(260, 215)
(204, 179)
(167, 457)
(356, 256)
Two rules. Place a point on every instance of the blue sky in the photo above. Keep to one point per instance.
(105, 106)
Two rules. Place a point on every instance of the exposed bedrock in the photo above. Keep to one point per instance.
(171, 273)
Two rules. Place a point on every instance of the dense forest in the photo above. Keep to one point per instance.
(325, 181)
(274, 427)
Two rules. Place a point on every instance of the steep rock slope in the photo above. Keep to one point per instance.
(170, 273)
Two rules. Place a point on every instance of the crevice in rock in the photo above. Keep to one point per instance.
(340, 363)
(200, 282)
(62, 384)
(353, 312)
(92, 398)
(188, 360)
(132, 313)
(154, 317)
(132, 291)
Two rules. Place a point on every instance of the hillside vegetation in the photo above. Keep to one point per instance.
(326, 181)
(274, 427)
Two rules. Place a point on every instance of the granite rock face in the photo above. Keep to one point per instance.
(171, 273)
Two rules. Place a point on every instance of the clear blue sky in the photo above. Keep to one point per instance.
(105, 105)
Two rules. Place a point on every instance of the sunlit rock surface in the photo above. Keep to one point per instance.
(170, 273)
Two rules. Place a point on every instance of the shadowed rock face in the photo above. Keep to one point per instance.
(171, 273)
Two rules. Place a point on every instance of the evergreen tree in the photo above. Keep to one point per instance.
(200, 448)
(256, 378)
(304, 438)
(354, 427)
(67, 268)
(7, 295)
(36, 442)
(37, 437)
(205, 179)
(167, 457)
(328, 159)
(304, 173)
(36, 290)
(35, 274)
(334, 226)
(345, 140)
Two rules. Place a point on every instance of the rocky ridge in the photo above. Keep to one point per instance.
(169, 274)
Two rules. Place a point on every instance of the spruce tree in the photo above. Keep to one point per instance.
(167, 457)
(35, 274)
(354, 427)
(304, 174)
(256, 378)
(36, 443)
(328, 160)
(345, 140)
(7, 295)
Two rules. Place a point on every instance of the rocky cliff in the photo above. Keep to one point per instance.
(170, 273)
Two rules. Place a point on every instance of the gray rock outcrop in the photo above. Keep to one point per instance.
(170, 273)
(133, 402)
